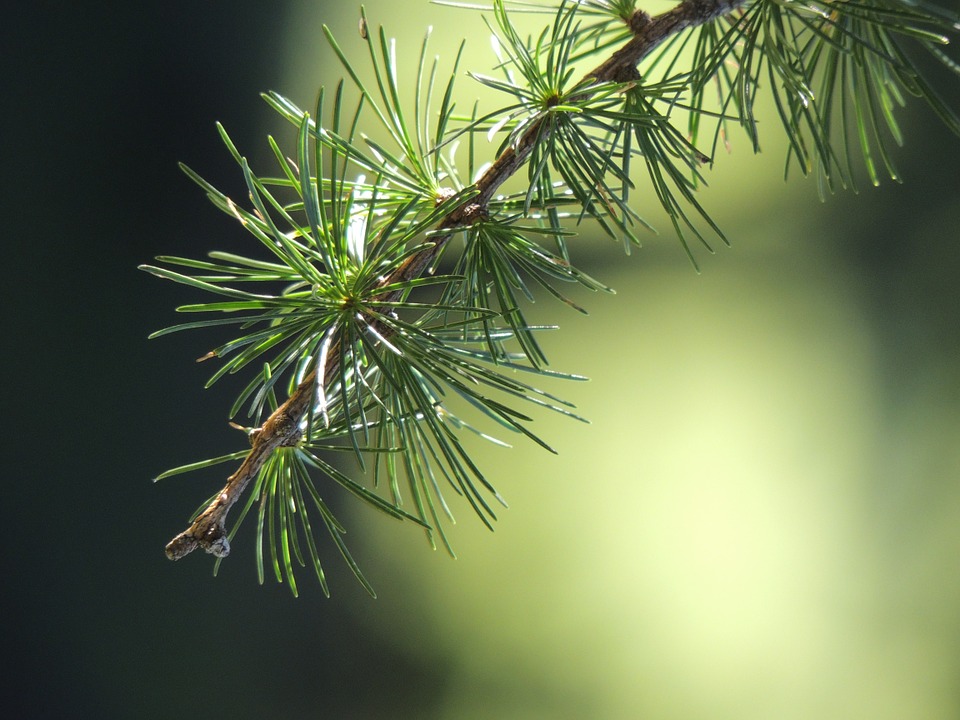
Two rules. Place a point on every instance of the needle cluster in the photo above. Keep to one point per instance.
(385, 318)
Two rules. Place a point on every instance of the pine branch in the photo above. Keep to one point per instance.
(368, 367)
(282, 427)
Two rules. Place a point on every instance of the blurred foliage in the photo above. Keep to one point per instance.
(371, 362)
(761, 521)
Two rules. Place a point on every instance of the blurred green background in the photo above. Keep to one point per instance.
(762, 520)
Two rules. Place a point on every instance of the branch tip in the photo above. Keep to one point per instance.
(212, 539)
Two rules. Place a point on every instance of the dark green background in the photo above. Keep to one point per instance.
(99, 104)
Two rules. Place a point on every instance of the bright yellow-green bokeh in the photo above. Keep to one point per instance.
(710, 546)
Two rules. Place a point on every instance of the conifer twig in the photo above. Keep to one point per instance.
(282, 427)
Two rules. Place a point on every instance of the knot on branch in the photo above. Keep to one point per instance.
(638, 22)
(473, 213)
(281, 425)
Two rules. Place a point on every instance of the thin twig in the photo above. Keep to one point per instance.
(282, 428)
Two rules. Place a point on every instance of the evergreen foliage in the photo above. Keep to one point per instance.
(382, 358)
